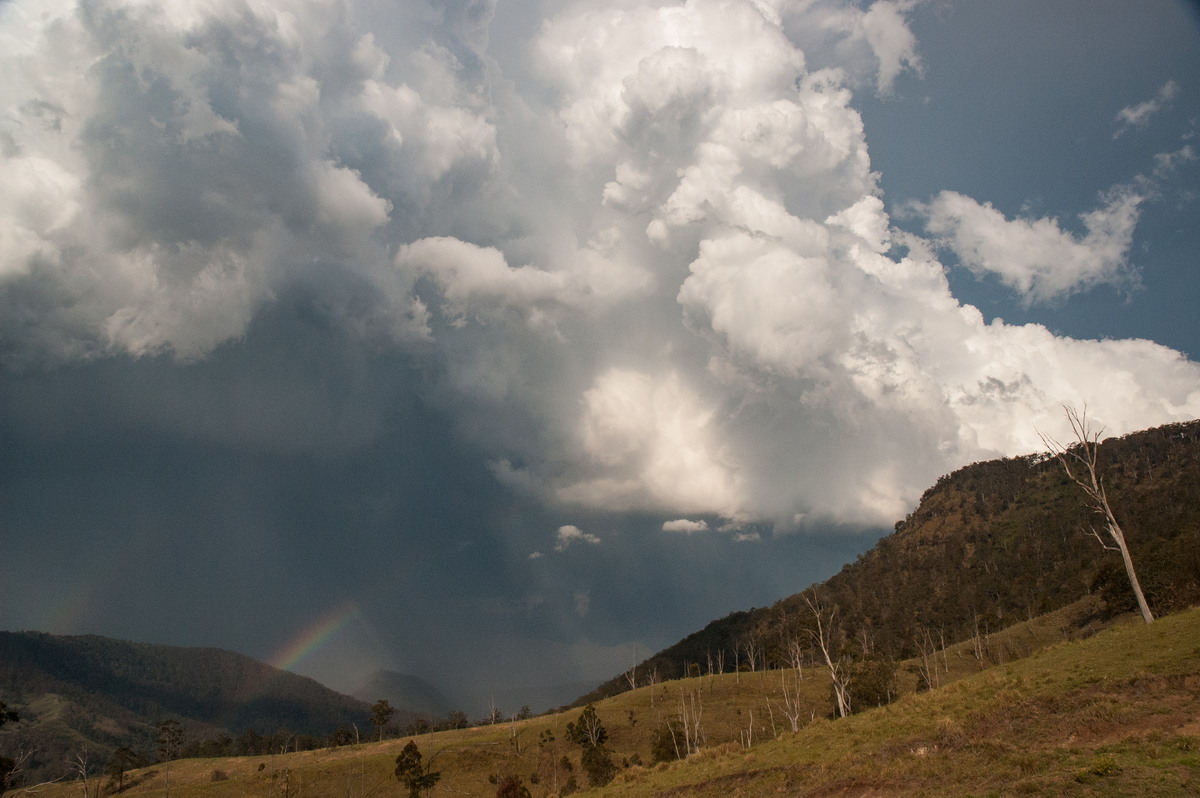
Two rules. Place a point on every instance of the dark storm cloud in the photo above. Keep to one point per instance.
(360, 305)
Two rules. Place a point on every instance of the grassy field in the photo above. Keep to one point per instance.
(1018, 713)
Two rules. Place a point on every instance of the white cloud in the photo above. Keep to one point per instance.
(685, 526)
(1167, 163)
(1137, 117)
(167, 173)
(1036, 257)
(895, 46)
(477, 281)
(569, 534)
(649, 444)
(642, 255)
(871, 45)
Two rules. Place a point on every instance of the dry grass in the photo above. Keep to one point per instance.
(1113, 714)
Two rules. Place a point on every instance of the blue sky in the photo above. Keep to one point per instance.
(505, 344)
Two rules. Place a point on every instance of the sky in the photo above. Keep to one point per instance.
(506, 343)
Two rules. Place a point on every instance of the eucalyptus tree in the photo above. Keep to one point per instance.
(1081, 462)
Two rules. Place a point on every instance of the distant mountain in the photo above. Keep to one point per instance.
(73, 691)
(990, 544)
(410, 694)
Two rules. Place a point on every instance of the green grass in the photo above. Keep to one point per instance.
(1113, 714)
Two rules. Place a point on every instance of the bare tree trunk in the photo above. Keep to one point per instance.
(690, 710)
(1086, 455)
(79, 763)
(836, 669)
(791, 700)
(928, 658)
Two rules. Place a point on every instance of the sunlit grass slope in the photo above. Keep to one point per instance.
(1117, 713)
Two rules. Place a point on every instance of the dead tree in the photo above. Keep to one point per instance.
(79, 765)
(690, 711)
(791, 699)
(927, 662)
(1080, 462)
(750, 645)
(823, 636)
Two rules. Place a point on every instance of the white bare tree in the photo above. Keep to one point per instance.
(691, 708)
(79, 765)
(927, 662)
(823, 637)
(1080, 461)
(791, 698)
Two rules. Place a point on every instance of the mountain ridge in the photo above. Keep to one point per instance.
(989, 543)
(105, 693)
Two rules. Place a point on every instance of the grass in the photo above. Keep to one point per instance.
(1113, 714)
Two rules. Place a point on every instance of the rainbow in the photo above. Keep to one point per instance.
(314, 636)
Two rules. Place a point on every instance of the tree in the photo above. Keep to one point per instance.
(122, 759)
(1080, 461)
(82, 768)
(10, 771)
(598, 765)
(589, 733)
(664, 742)
(412, 774)
(823, 636)
(381, 715)
(170, 737)
(9, 768)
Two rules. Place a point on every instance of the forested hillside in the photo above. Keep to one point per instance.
(990, 544)
(77, 692)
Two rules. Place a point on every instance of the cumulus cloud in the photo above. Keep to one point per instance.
(172, 168)
(685, 526)
(1036, 257)
(569, 534)
(1137, 117)
(869, 45)
(641, 257)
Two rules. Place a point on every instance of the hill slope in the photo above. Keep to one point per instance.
(988, 545)
(1113, 714)
(105, 693)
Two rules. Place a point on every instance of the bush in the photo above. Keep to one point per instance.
(665, 742)
(872, 684)
(598, 765)
(511, 787)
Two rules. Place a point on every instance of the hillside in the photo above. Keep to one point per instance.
(988, 545)
(103, 693)
(1112, 714)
